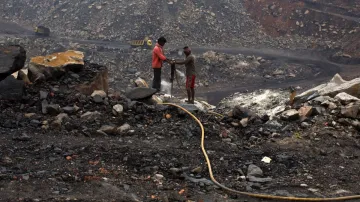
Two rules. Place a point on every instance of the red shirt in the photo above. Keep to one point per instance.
(158, 56)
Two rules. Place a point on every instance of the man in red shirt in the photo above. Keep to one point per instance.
(157, 62)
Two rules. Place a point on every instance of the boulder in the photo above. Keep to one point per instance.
(335, 86)
(55, 65)
(140, 93)
(12, 59)
(345, 98)
(290, 115)
(350, 111)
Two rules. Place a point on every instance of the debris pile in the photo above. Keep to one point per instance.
(70, 133)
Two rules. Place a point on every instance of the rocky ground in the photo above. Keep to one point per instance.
(64, 141)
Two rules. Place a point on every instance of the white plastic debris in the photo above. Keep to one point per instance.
(266, 159)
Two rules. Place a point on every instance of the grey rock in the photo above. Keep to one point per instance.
(107, 129)
(290, 115)
(321, 99)
(158, 177)
(98, 96)
(241, 113)
(35, 122)
(254, 170)
(124, 128)
(140, 93)
(43, 95)
(345, 98)
(69, 110)
(57, 123)
(22, 137)
(53, 109)
(117, 109)
(305, 125)
(91, 116)
(190, 107)
(330, 105)
(44, 105)
(259, 180)
(319, 110)
(226, 140)
(350, 111)
(76, 76)
(244, 122)
(201, 180)
(98, 99)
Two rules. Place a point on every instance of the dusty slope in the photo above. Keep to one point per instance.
(190, 21)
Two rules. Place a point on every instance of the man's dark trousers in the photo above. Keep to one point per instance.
(157, 79)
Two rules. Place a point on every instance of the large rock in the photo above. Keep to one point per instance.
(140, 93)
(11, 89)
(55, 65)
(12, 59)
(290, 115)
(350, 111)
(345, 98)
(335, 86)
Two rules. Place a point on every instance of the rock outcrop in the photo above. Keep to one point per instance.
(335, 86)
(12, 59)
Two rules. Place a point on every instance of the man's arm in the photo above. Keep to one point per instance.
(183, 62)
(160, 55)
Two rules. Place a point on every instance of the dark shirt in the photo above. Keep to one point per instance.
(189, 63)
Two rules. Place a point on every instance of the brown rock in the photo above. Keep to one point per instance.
(100, 82)
(305, 112)
(55, 65)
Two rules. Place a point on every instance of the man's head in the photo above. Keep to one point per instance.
(161, 41)
(187, 50)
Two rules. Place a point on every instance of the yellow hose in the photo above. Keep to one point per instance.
(263, 196)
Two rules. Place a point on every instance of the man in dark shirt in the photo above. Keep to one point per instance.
(189, 63)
